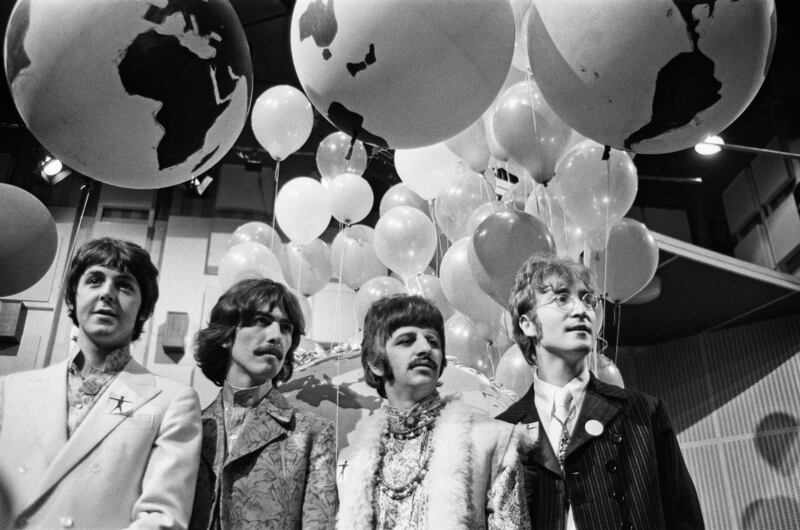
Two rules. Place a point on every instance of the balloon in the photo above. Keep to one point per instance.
(353, 256)
(520, 58)
(401, 195)
(332, 156)
(464, 293)
(482, 212)
(430, 287)
(405, 240)
(466, 344)
(529, 131)
(514, 372)
(399, 75)
(456, 202)
(307, 267)
(351, 198)
(650, 292)
(28, 240)
(495, 149)
(248, 260)
(595, 193)
(470, 145)
(499, 247)
(302, 209)
(427, 169)
(629, 262)
(373, 290)
(651, 80)
(258, 232)
(168, 99)
(608, 372)
(282, 120)
(305, 307)
(568, 237)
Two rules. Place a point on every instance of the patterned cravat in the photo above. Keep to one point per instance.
(562, 414)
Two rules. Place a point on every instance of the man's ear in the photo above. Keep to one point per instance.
(527, 326)
(377, 370)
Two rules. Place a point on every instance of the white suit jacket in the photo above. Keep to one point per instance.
(133, 465)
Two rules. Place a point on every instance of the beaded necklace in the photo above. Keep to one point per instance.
(402, 426)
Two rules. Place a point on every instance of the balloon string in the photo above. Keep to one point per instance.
(274, 202)
(529, 79)
(490, 353)
(336, 324)
(439, 255)
(618, 320)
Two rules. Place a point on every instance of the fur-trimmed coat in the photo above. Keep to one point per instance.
(473, 481)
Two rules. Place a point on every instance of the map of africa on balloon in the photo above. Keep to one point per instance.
(135, 94)
(314, 387)
(651, 77)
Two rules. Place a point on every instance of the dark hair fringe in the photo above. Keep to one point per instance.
(386, 316)
(532, 278)
(120, 255)
(237, 307)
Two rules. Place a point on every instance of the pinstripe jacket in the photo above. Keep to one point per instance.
(629, 475)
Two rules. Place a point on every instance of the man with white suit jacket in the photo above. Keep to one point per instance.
(98, 441)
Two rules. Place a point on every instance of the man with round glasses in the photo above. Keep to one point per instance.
(597, 456)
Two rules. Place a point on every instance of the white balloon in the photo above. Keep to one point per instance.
(246, 261)
(426, 170)
(282, 120)
(302, 209)
(351, 198)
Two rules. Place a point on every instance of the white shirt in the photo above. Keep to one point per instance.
(545, 407)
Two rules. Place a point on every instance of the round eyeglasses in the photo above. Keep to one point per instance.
(566, 301)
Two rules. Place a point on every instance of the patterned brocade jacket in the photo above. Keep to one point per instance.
(280, 474)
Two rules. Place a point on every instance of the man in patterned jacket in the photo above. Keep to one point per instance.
(265, 463)
(599, 456)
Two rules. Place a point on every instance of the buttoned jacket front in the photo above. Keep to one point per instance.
(130, 464)
(623, 467)
(279, 474)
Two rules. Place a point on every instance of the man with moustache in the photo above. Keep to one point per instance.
(265, 463)
(424, 461)
(599, 456)
(97, 441)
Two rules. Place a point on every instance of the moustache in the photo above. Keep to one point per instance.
(426, 361)
(269, 350)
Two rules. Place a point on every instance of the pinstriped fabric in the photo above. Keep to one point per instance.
(631, 476)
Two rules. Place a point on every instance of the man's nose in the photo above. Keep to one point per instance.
(108, 291)
(273, 332)
(422, 345)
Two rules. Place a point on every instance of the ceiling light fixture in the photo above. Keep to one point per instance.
(714, 144)
(52, 170)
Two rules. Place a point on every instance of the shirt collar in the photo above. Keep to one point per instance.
(114, 363)
(545, 392)
(245, 397)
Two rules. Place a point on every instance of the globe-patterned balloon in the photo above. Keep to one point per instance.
(650, 77)
(314, 386)
(402, 73)
(134, 94)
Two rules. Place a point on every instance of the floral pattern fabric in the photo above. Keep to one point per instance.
(279, 474)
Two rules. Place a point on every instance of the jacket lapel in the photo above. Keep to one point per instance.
(47, 396)
(136, 386)
(524, 412)
(214, 441)
(269, 420)
(602, 403)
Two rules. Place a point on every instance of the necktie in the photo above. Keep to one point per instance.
(562, 414)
